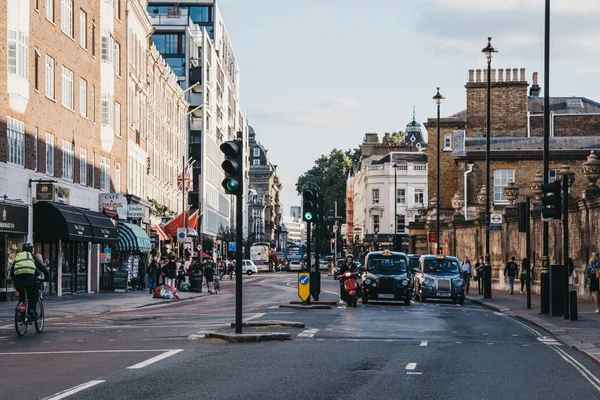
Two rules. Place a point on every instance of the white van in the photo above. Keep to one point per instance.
(248, 267)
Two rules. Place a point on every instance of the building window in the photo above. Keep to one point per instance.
(105, 174)
(93, 104)
(83, 166)
(17, 53)
(400, 223)
(256, 152)
(49, 77)
(106, 46)
(106, 110)
(375, 196)
(118, 9)
(117, 119)
(67, 88)
(66, 17)
(50, 10)
(419, 196)
(552, 175)
(447, 141)
(83, 29)
(67, 160)
(36, 70)
(49, 153)
(83, 97)
(401, 196)
(501, 179)
(117, 177)
(375, 223)
(93, 39)
(117, 59)
(35, 149)
(255, 162)
(15, 132)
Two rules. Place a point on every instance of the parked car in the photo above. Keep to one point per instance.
(439, 277)
(386, 277)
(295, 266)
(248, 267)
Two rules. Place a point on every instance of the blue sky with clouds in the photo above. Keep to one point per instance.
(319, 74)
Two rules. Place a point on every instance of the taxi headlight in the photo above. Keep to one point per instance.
(428, 281)
(368, 281)
(459, 282)
(404, 282)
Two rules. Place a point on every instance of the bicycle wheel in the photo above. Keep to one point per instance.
(39, 322)
(20, 322)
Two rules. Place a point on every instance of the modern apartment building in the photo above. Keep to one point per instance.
(192, 38)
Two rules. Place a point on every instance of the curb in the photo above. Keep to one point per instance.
(248, 337)
(582, 348)
(328, 303)
(271, 324)
(306, 307)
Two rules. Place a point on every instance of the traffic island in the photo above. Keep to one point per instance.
(307, 306)
(248, 337)
(271, 324)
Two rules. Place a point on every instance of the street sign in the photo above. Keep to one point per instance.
(496, 222)
(181, 234)
(334, 228)
(231, 246)
(304, 286)
(432, 237)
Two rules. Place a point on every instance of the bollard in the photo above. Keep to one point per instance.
(573, 305)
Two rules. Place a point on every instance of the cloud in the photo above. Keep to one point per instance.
(335, 112)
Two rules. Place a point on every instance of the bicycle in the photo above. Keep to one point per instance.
(22, 317)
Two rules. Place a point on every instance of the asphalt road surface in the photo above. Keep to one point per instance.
(376, 351)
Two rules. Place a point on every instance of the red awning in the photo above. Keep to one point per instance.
(204, 255)
(162, 235)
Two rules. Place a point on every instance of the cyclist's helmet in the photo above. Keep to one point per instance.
(27, 246)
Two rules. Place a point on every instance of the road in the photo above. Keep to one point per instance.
(380, 350)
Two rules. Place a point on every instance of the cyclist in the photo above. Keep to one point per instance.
(24, 273)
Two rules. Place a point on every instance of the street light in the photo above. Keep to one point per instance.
(489, 51)
(395, 166)
(438, 100)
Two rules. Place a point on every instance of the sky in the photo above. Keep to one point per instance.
(319, 74)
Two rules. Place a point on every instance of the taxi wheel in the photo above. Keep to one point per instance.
(407, 301)
(365, 300)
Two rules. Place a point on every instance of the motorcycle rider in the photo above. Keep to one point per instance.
(24, 272)
(349, 266)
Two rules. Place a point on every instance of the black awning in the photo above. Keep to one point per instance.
(53, 221)
(103, 230)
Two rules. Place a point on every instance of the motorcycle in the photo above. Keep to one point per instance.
(349, 288)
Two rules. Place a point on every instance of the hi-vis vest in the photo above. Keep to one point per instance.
(24, 264)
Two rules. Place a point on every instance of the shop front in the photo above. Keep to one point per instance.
(67, 236)
(13, 232)
(133, 243)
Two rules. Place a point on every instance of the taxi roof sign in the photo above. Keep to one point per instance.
(387, 253)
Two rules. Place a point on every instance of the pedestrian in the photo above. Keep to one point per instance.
(510, 271)
(523, 271)
(479, 274)
(571, 271)
(171, 271)
(180, 275)
(209, 274)
(592, 272)
(142, 267)
(467, 271)
(153, 274)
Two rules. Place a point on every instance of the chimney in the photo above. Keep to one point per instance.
(535, 89)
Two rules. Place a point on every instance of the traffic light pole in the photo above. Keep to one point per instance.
(308, 252)
(239, 216)
(565, 211)
(528, 253)
(545, 275)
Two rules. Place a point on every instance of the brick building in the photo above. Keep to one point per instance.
(516, 143)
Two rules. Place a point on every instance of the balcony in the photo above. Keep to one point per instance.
(173, 17)
(196, 77)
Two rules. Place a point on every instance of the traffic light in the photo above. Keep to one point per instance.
(551, 202)
(308, 205)
(332, 246)
(233, 166)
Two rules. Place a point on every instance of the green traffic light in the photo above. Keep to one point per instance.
(308, 216)
(232, 185)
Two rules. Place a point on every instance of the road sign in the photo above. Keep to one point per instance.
(496, 222)
(334, 228)
(231, 246)
(181, 234)
(304, 286)
(432, 237)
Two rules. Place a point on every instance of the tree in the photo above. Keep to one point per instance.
(394, 138)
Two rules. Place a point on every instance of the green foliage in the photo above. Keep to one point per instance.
(394, 138)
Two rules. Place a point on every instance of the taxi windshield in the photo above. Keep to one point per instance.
(441, 266)
(386, 265)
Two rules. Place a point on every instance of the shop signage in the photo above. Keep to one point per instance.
(44, 192)
(62, 195)
(135, 211)
(120, 280)
(13, 218)
(432, 237)
(122, 211)
(111, 200)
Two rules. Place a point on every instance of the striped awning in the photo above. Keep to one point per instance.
(162, 235)
(132, 238)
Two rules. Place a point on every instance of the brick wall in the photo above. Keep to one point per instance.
(567, 125)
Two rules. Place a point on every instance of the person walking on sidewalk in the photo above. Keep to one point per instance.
(466, 272)
(571, 271)
(142, 267)
(510, 271)
(592, 272)
(479, 274)
(153, 273)
(523, 270)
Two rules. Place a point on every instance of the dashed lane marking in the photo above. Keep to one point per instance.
(73, 390)
(308, 333)
(155, 359)
(423, 343)
(413, 373)
(411, 366)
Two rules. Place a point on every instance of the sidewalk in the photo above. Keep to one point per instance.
(582, 335)
(99, 303)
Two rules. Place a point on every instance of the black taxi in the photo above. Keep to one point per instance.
(439, 276)
(386, 277)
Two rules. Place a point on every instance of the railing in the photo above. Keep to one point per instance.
(180, 17)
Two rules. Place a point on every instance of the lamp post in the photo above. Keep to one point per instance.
(489, 51)
(438, 100)
(395, 166)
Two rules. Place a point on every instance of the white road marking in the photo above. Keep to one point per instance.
(579, 367)
(525, 345)
(484, 334)
(490, 343)
(155, 359)
(536, 333)
(308, 333)
(255, 316)
(549, 341)
(458, 342)
(515, 334)
(411, 366)
(413, 373)
(28, 353)
(423, 343)
(68, 392)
